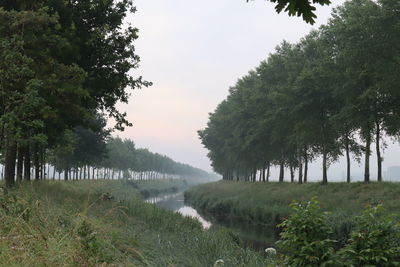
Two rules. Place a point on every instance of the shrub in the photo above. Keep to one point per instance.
(305, 236)
(88, 238)
(375, 242)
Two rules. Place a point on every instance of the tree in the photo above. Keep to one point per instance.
(30, 74)
(361, 58)
(71, 59)
(314, 98)
(299, 8)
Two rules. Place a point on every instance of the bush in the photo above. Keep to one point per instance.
(305, 239)
(305, 236)
(375, 242)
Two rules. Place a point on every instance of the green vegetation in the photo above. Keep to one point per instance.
(268, 203)
(306, 239)
(89, 156)
(305, 236)
(303, 8)
(332, 94)
(104, 223)
(63, 64)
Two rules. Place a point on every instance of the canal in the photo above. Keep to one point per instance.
(253, 236)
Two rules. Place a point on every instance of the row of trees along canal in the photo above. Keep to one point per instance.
(61, 63)
(63, 67)
(333, 93)
(93, 154)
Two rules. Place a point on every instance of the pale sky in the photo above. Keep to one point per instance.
(193, 51)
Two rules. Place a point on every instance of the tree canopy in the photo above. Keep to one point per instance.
(316, 98)
(61, 64)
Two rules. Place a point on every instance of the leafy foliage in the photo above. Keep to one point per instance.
(376, 240)
(303, 8)
(330, 94)
(305, 236)
(61, 64)
(305, 239)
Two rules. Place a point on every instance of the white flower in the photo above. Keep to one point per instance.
(270, 251)
(219, 262)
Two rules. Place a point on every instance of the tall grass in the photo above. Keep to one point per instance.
(267, 203)
(105, 223)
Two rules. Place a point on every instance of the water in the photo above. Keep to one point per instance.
(256, 237)
(176, 202)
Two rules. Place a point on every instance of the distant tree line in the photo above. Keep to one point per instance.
(335, 92)
(93, 154)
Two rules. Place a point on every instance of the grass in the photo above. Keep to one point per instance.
(105, 223)
(267, 203)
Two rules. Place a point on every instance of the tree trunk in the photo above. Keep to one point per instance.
(378, 151)
(54, 173)
(20, 163)
(268, 169)
(9, 163)
(291, 173)
(305, 165)
(263, 174)
(367, 156)
(324, 168)
(36, 163)
(66, 172)
(300, 168)
(281, 172)
(348, 178)
(27, 164)
(42, 167)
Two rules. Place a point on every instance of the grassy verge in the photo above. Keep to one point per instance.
(105, 223)
(267, 203)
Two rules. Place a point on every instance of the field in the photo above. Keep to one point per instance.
(105, 223)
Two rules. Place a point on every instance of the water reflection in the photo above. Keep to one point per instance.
(189, 211)
(256, 237)
(176, 202)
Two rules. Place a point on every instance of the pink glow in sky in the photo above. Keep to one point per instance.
(193, 51)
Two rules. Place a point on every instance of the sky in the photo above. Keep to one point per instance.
(193, 51)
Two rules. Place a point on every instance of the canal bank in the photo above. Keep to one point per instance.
(268, 203)
(106, 223)
(257, 237)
